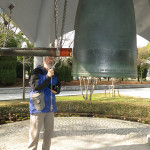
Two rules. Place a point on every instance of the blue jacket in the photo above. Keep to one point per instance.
(40, 82)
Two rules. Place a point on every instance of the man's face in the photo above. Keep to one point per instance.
(49, 62)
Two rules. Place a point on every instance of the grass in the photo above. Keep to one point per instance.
(107, 98)
(129, 107)
(122, 99)
(95, 97)
(12, 102)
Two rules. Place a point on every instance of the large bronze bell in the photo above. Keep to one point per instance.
(105, 39)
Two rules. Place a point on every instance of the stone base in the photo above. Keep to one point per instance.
(148, 139)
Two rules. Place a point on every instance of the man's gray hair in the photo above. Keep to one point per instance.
(44, 57)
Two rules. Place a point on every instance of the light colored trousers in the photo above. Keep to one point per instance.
(36, 121)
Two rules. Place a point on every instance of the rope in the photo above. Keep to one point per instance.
(51, 108)
(51, 95)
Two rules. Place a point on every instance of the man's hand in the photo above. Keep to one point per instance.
(54, 92)
(50, 72)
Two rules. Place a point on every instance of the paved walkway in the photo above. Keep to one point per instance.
(16, 93)
(81, 134)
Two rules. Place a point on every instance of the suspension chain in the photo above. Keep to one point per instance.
(56, 20)
(59, 42)
(63, 22)
(11, 6)
(149, 3)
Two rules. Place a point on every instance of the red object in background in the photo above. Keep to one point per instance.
(66, 52)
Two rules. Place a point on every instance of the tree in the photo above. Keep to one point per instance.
(20, 37)
(143, 56)
(11, 36)
(63, 70)
(8, 64)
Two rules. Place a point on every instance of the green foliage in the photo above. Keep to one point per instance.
(9, 76)
(142, 69)
(11, 42)
(18, 112)
(14, 112)
(105, 108)
(8, 63)
(19, 70)
(148, 47)
(68, 76)
(63, 70)
(28, 65)
(8, 69)
(20, 38)
(143, 55)
(9, 36)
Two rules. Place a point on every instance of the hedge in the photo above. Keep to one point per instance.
(8, 66)
(20, 111)
(104, 108)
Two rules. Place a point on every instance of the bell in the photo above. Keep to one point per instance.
(105, 39)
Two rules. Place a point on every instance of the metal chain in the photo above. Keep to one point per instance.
(11, 6)
(59, 43)
(56, 36)
(149, 3)
(56, 20)
(63, 22)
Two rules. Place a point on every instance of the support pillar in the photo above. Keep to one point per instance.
(43, 30)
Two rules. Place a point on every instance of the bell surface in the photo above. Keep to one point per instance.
(105, 39)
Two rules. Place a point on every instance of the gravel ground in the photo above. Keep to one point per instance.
(77, 133)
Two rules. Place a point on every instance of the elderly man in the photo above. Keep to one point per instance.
(43, 80)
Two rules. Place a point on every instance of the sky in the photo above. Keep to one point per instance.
(141, 42)
(69, 37)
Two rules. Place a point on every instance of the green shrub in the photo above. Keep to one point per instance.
(68, 76)
(144, 71)
(19, 70)
(103, 108)
(11, 113)
(63, 70)
(9, 76)
(7, 64)
(11, 42)
(92, 108)
(8, 69)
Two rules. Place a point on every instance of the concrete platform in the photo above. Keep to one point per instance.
(77, 133)
(80, 133)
